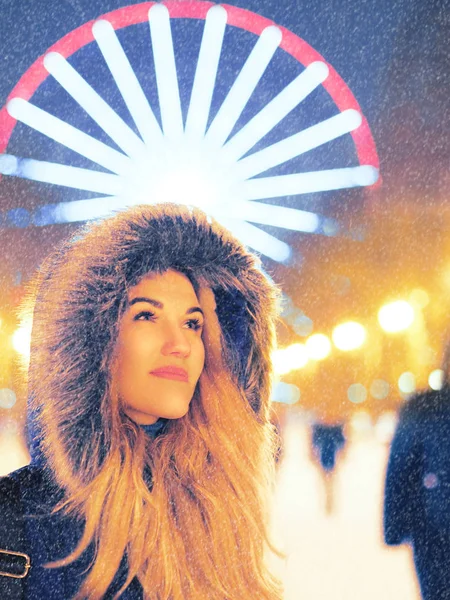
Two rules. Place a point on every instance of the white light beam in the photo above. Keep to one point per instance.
(56, 174)
(127, 82)
(298, 144)
(307, 183)
(166, 71)
(276, 216)
(257, 239)
(69, 136)
(206, 72)
(244, 86)
(93, 104)
(85, 210)
(276, 110)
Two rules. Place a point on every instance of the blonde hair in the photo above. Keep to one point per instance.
(189, 508)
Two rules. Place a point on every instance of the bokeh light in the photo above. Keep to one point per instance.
(349, 336)
(296, 356)
(379, 389)
(436, 379)
(318, 346)
(7, 398)
(407, 383)
(21, 340)
(285, 393)
(290, 358)
(280, 365)
(385, 426)
(357, 393)
(396, 316)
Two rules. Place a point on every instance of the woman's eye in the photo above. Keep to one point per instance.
(194, 324)
(144, 316)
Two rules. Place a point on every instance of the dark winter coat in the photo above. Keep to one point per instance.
(69, 340)
(417, 493)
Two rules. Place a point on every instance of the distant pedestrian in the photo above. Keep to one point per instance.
(327, 441)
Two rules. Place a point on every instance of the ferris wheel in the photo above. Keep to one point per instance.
(209, 105)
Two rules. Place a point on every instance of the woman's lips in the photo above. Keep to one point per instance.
(176, 374)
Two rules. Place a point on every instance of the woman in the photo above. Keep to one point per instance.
(150, 436)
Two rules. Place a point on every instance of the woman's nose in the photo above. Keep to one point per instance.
(176, 343)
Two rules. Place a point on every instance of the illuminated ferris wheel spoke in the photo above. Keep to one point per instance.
(298, 144)
(277, 216)
(166, 71)
(206, 72)
(294, 93)
(307, 183)
(127, 82)
(69, 136)
(85, 210)
(56, 174)
(93, 104)
(256, 238)
(244, 86)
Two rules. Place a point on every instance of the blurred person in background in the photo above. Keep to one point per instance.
(152, 450)
(417, 489)
(327, 440)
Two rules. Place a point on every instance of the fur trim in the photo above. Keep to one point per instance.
(82, 292)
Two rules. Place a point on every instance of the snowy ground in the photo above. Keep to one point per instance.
(339, 556)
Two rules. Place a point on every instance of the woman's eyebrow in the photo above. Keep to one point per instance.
(160, 305)
(155, 303)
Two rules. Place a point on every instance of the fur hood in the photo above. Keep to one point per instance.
(81, 292)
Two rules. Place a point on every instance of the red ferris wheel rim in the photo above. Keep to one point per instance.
(195, 9)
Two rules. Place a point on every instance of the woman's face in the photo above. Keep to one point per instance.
(159, 352)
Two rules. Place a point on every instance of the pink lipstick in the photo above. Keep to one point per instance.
(176, 373)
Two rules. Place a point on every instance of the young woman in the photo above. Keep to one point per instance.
(149, 380)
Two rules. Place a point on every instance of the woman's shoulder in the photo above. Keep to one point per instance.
(29, 481)
(30, 475)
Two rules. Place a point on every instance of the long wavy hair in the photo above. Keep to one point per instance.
(190, 508)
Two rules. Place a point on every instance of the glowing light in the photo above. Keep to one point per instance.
(166, 72)
(396, 316)
(297, 144)
(69, 136)
(379, 389)
(206, 72)
(419, 298)
(280, 365)
(307, 183)
(244, 86)
(277, 216)
(48, 172)
(275, 111)
(21, 340)
(385, 426)
(407, 383)
(361, 423)
(318, 346)
(436, 379)
(357, 393)
(127, 82)
(7, 398)
(258, 239)
(296, 356)
(84, 210)
(286, 393)
(349, 336)
(93, 104)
